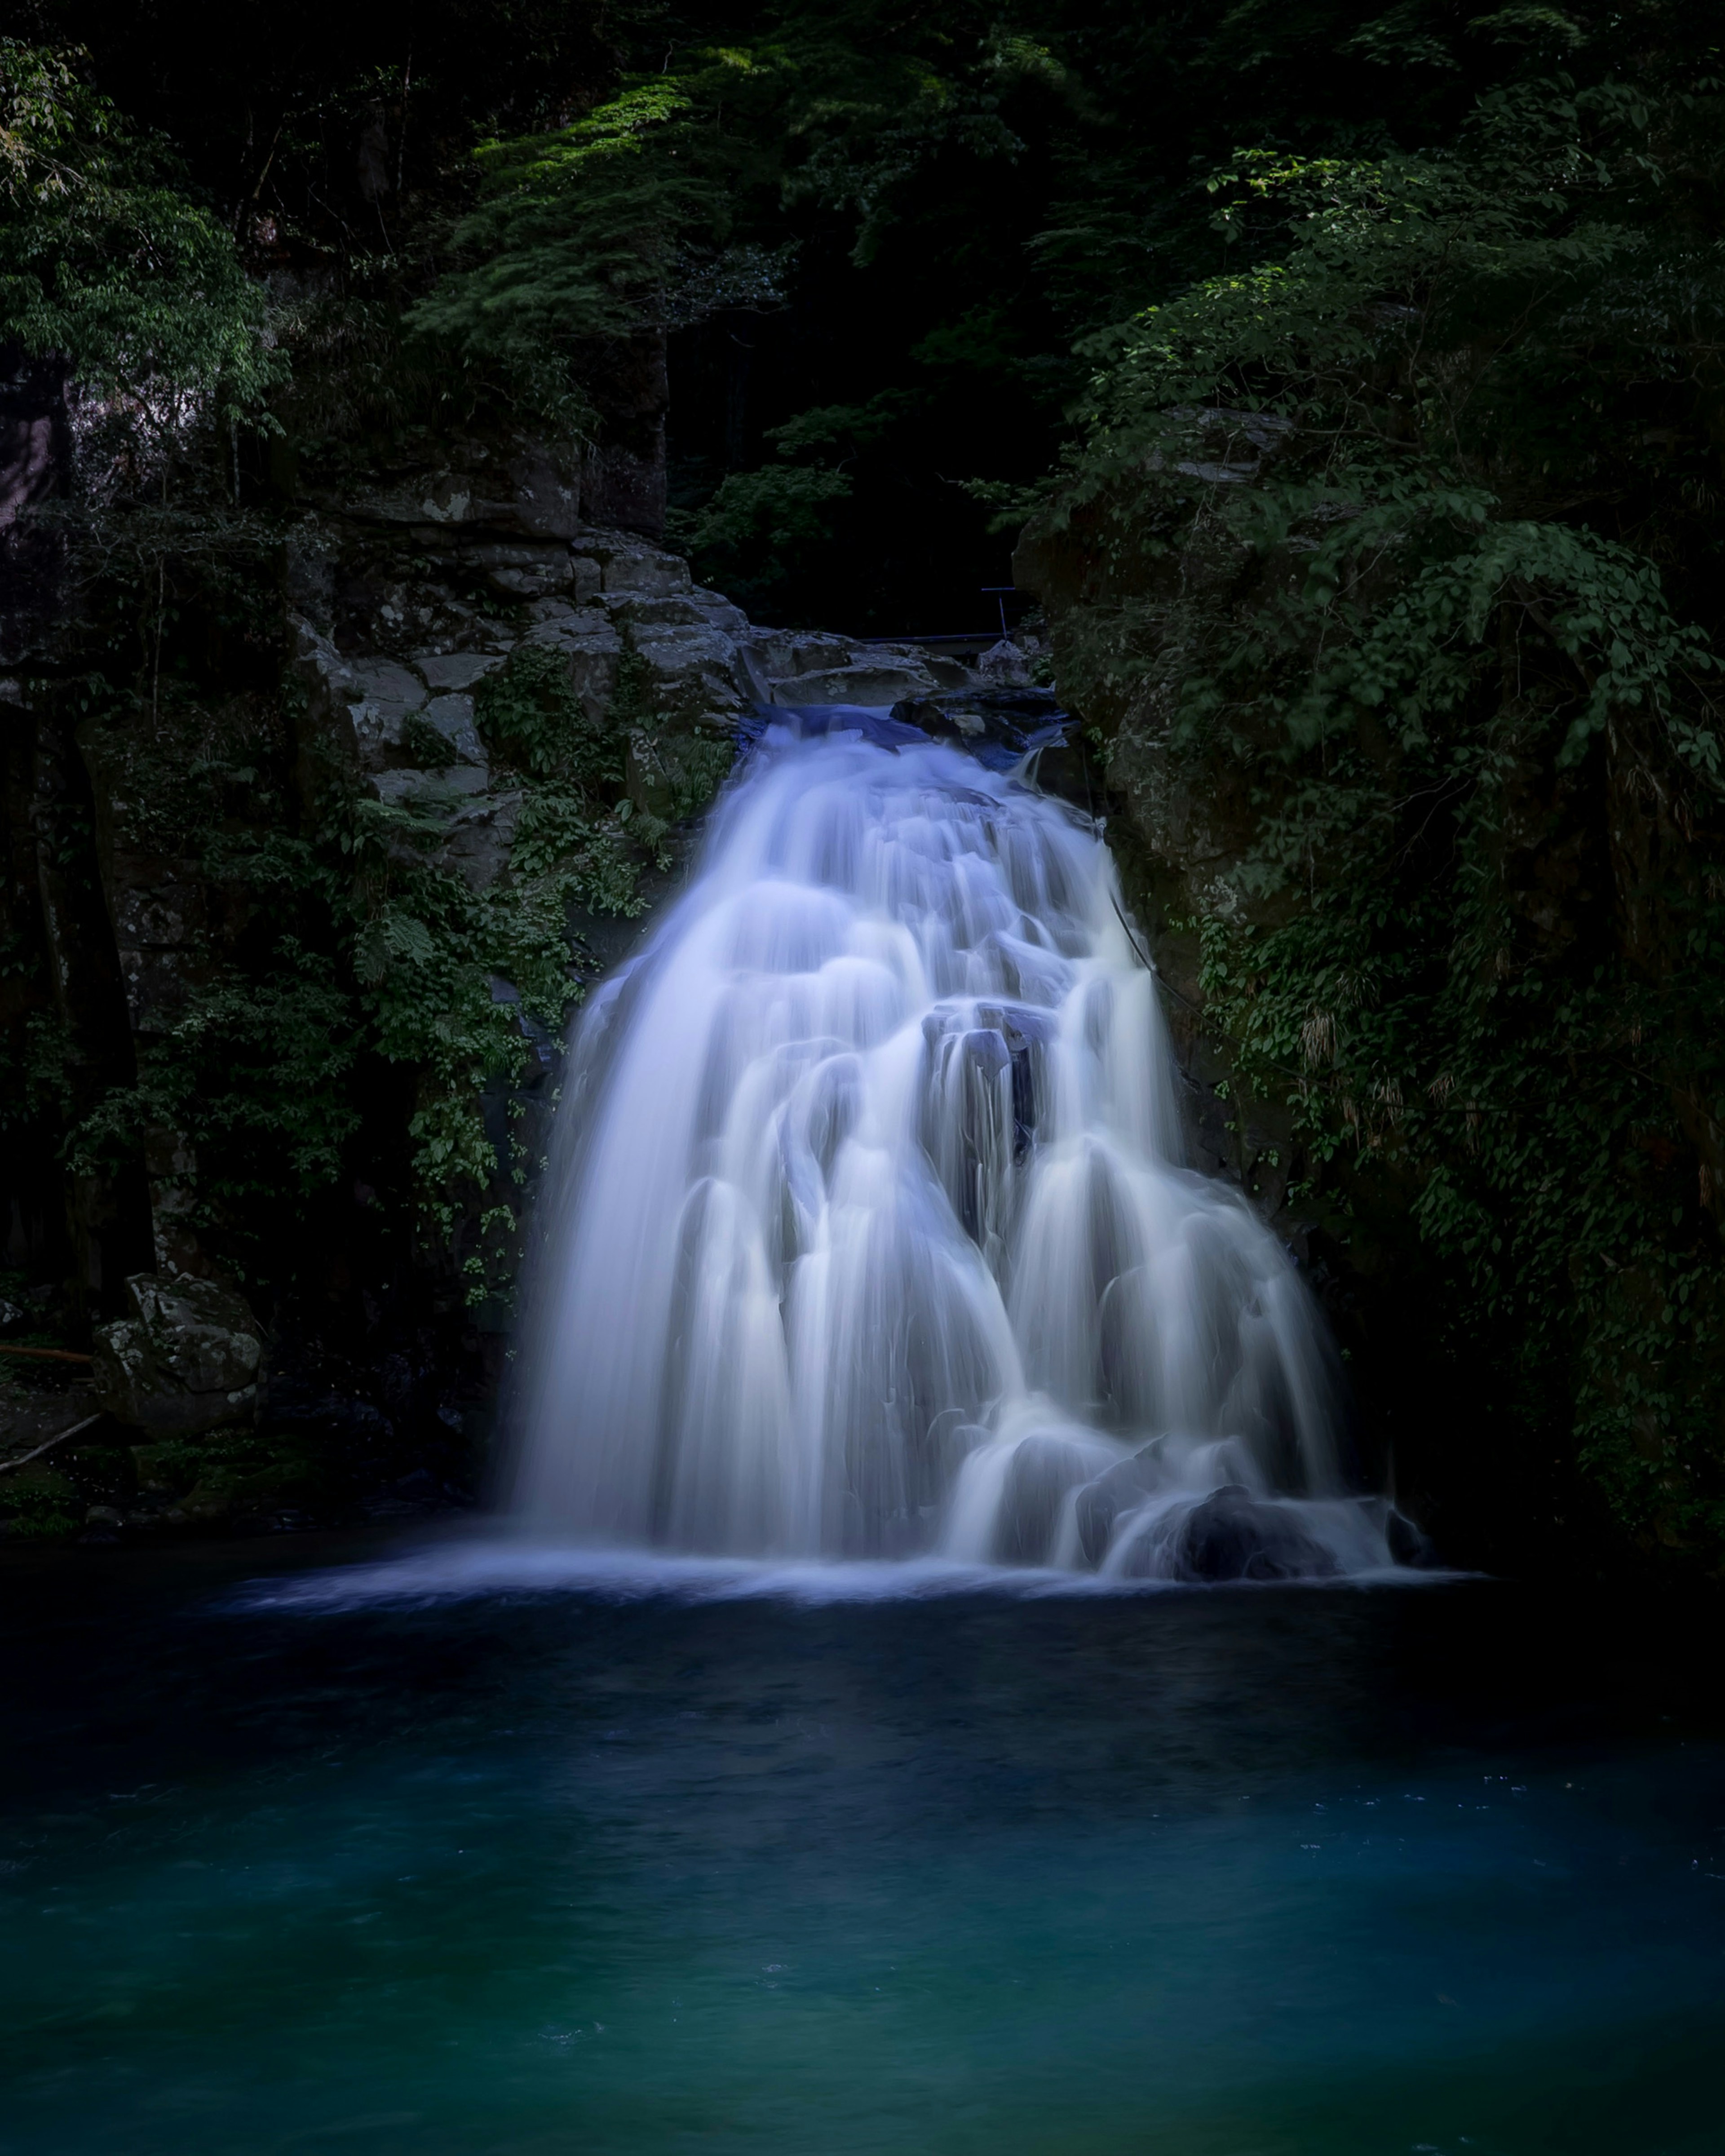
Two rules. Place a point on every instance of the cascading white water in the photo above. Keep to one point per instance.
(869, 1233)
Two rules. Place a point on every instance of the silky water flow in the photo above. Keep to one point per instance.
(870, 1235)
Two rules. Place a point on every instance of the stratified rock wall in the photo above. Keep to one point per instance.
(397, 597)
(204, 863)
(411, 595)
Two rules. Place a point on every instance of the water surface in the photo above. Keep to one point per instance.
(1266, 1871)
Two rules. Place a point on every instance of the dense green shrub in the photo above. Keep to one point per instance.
(108, 266)
(578, 236)
(1401, 544)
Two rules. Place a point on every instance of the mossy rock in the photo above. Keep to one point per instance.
(673, 776)
(296, 1480)
(210, 1501)
(224, 1491)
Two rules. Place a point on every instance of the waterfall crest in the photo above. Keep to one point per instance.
(870, 1232)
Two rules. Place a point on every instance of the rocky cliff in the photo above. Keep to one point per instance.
(296, 932)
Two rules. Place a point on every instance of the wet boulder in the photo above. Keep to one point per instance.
(627, 563)
(186, 1359)
(1067, 767)
(1404, 1544)
(1233, 1534)
(1004, 664)
(1121, 1490)
(1407, 1544)
(815, 721)
(998, 725)
(1042, 1471)
(874, 683)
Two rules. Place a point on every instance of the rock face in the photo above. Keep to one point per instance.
(185, 1360)
(998, 726)
(159, 863)
(415, 593)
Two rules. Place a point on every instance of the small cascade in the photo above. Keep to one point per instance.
(870, 1234)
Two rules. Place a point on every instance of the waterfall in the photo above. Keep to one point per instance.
(869, 1233)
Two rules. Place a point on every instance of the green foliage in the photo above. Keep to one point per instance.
(924, 205)
(364, 953)
(224, 1472)
(590, 856)
(676, 764)
(1395, 518)
(40, 1505)
(1401, 526)
(428, 950)
(106, 264)
(37, 1083)
(733, 180)
(425, 748)
(578, 236)
(256, 1077)
(530, 714)
(759, 525)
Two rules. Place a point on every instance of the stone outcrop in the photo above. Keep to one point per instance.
(156, 862)
(185, 1360)
(1233, 1534)
(412, 594)
(401, 597)
(998, 727)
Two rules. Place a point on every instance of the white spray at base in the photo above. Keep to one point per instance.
(870, 1235)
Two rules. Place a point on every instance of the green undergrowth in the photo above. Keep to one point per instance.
(212, 1481)
(368, 967)
(231, 1473)
(1403, 594)
(40, 1505)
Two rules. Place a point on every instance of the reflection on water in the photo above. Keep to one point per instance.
(1298, 1871)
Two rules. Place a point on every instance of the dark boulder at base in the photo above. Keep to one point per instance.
(815, 722)
(1122, 1489)
(1407, 1544)
(1234, 1536)
(1043, 1470)
(185, 1360)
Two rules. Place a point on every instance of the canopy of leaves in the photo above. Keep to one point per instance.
(821, 206)
(580, 236)
(109, 267)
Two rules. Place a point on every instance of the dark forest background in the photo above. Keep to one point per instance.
(919, 216)
(1339, 386)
